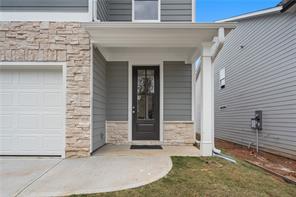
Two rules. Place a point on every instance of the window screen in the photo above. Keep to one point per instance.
(146, 9)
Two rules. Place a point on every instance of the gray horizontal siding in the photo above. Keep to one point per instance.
(99, 99)
(117, 91)
(43, 5)
(176, 10)
(177, 91)
(102, 10)
(120, 10)
(261, 76)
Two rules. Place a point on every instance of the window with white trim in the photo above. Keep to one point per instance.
(222, 78)
(146, 10)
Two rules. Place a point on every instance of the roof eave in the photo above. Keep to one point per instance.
(277, 9)
(162, 25)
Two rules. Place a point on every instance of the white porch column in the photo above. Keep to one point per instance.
(207, 101)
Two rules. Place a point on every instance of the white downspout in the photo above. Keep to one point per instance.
(95, 11)
(219, 42)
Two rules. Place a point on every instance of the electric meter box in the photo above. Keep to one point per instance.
(256, 123)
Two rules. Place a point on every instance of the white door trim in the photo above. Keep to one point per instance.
(45, 65)
(130, 94)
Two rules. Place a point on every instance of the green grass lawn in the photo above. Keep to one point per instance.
(211, 177)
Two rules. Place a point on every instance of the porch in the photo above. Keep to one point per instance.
(166, 151)
(143, 82)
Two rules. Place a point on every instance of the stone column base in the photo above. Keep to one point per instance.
(117, 132)
(178, 133)
(175, 133)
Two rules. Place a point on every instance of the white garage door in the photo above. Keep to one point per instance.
(31, 112)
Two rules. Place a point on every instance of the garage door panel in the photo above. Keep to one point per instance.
(26, 121)
(6, 121)
(49, 142)
(6, 98)
(27, 77)
(52, 99)
(5, 143)
(53, 122)
(28, 99)
(52, 78)
(29, 143)
(6, 77)
(32, 115)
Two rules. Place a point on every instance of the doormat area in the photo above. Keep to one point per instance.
(148, 147)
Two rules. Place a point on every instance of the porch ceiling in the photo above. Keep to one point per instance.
(154, 34)
(173, 41)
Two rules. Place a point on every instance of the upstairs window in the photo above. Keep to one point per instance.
(222, 78)
(146, 10)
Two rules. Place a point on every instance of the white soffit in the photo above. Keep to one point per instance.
(149, 54)
(154, 34)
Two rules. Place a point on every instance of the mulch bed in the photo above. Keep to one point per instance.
(275, 164)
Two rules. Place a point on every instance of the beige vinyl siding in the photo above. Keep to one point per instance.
(259, 76)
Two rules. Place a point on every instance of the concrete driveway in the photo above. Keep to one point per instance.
(18, 173)
(56, 177)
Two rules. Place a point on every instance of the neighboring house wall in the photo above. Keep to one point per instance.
(99, 100)
(57, 42)
(261, 75)
(177, 91)
(41, 5)
(121, 10)
(176, 10)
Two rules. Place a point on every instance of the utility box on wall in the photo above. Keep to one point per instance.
(256, 123)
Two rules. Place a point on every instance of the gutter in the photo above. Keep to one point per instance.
(277, 9)
(218, 45)
(288, 5)
(95, 11)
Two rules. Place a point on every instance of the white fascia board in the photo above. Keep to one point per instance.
(252, 14)
(162, 25)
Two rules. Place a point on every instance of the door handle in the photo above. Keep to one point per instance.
(134, 111)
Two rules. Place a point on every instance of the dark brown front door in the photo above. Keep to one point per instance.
(145, 107)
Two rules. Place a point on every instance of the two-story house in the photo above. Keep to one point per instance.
(76, 74)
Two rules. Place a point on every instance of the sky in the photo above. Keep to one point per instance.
(212, 10)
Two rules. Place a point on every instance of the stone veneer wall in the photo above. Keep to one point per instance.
(178, 133)
(117, 132)
(175, 133)
(57, 42)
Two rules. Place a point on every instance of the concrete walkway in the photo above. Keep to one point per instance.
(56, 177)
